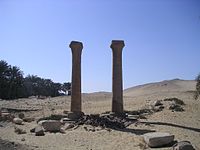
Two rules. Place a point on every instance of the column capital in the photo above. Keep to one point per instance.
(76, 45)
(117, 44)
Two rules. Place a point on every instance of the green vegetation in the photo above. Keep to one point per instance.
(197, 92)
(13, 85)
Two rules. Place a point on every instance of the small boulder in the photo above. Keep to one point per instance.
(157, 103)
(68, 126)
(75, 115)
(175, 107)
(66, 120)
(19, 131)
(17, 121)
(21, 115)
(28, 119)
(158, 139)
(6, 116)
(39, 131)
(32, 130)
(62, 130)
(183, 145)
(51, 125)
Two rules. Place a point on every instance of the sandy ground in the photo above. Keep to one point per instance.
(184, 125)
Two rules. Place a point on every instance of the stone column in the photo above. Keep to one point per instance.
(76, 48)
(117, 84)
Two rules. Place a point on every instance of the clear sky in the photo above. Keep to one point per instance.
(162, 39)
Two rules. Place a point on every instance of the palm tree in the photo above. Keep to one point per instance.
(4, 75)
(197, 92)
(15, 83)
(67, 88)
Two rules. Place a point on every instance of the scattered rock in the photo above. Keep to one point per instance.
(21, 115)
(158, 139)
(158, 108)
(105, 121)
(157, 103)
(175, 100)
(75, 115)
(39, 131)
(32, 130)
(17, 121)
(5, 116)
(19, 131)
(51, 125)
(23, 139)
(68, 126)
(28, 119)
(133, 117)
(66, 120)
(183, 145)
(175, 107)
(62, 130)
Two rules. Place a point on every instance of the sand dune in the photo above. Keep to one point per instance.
(175, 85)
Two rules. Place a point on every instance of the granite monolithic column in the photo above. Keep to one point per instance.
(117, 83)
(76, 48)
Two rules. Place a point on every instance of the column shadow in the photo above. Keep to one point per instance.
(172, 125)
(136, 131)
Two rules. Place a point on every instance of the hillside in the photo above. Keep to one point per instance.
(163, 87)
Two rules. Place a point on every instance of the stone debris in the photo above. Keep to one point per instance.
(21, 115)
(6, 116)
(62, 130)
(17, 121)
(19, 131)
(68, 126)
(66, 120)
(28, 119)
(51, 125)
(39, 131)
(157, 103)
(175, 107)
(105, 121)
(183, 145)
(158, 139)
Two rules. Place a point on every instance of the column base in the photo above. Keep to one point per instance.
(75, 115)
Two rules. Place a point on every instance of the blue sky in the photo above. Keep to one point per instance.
(162, 39)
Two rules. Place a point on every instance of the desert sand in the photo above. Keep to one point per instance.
(184, 125)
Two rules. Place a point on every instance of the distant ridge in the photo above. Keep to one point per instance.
(174, 85)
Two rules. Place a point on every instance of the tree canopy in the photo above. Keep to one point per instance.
(197, 92)
(13, 85)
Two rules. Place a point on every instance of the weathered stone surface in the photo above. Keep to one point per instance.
(62, 130)
(183, 145)
(68, 126)
(158, 139)
(106, 121)
(66, 120)
(75, 115)
(39, 131)
(5, 116)
(175, 107)
(157, 103)
(28, 119)
(117, 84)
(21, 115)
(19, 131)
(17, 121)
(51, 125)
